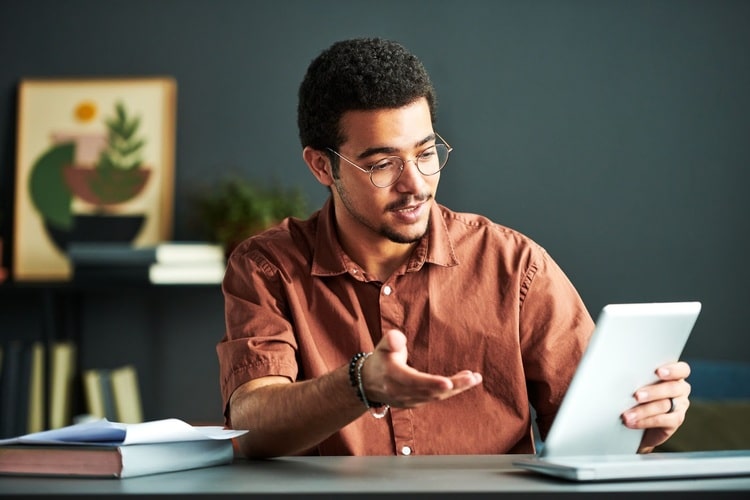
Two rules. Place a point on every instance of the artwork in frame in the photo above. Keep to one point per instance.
(95, 162)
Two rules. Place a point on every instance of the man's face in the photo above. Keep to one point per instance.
(400, 212)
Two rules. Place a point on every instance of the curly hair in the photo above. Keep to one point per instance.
(357, 74)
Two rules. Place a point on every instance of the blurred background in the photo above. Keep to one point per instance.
(614, 133)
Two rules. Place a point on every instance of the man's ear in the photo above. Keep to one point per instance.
(319, 164)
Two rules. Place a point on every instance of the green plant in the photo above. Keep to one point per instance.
(123, 146)
(238, 208)
(118, 176)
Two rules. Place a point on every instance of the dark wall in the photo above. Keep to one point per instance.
(615, 133)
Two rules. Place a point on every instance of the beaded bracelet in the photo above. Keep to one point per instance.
(353, 372)
(371, 405)
(355, 378)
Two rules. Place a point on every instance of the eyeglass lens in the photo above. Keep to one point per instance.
(387, 171)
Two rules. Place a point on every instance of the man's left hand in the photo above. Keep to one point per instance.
(661, 406)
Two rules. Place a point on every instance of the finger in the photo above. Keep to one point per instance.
(411, 381)
(466, 380)
(393, 347)
(392, 341)
(663, 390)
(409, 387)
(657, 414)
(396, 383)
(414, 398)
(673, 371)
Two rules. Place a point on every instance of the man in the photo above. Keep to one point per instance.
(386, 323)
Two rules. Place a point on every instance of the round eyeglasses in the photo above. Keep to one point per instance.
(386, 172)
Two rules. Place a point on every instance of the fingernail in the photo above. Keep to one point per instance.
(663, 372)
(629, 417)
(641, 395)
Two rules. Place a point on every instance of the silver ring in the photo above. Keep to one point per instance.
(672, 406)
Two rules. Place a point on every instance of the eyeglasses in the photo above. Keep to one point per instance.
(387, 171)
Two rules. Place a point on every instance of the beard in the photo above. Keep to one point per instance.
(402, 238)
(385, 230)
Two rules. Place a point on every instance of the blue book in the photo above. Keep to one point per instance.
(125, 254)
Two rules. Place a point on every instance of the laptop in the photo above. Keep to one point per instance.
(587, 440)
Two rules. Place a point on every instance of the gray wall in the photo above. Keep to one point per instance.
(615, 133)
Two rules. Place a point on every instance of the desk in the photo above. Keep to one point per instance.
(375, 477)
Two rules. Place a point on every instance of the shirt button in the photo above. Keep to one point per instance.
(387, 290)
(406, 451)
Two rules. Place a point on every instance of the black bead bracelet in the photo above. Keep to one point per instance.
(355, 378)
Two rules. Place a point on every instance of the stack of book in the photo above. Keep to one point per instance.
(114, 449)
(164, 263)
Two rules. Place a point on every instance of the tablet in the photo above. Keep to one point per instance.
(629, 342)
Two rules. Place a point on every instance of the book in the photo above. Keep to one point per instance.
(157, 274)
(113, 461)
(62, 378)
(113, 394)
(126, 395)
(10, 387)
(187, 274)
(97, 388)
(114, 449)
(37, 408)
(22, 388)
(115, 254)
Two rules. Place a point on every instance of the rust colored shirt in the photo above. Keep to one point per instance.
(474, 295)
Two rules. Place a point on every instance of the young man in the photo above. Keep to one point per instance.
(386, 323)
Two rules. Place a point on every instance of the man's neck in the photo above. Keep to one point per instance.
(378, 259)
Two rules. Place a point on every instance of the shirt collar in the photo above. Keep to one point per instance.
(436, 247)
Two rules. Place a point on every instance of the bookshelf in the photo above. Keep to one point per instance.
(160, 329)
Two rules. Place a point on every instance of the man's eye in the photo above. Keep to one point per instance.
(427, 154)
(385, 164)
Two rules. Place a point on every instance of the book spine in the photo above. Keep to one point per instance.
(189, 253)
(62, 375)
(104, 254)
(92, 390)
(96, 274)
(37, 399)
(9, 387)
(126, 395)
(22, 388)
(108, 399)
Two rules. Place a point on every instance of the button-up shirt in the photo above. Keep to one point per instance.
(474, 295)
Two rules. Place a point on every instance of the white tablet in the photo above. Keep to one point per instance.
(629, 342)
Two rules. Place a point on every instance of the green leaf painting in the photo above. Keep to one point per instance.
(49, 193)
(123, 148)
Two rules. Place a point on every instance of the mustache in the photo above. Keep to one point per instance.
(406, 201)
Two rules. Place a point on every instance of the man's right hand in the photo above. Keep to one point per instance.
(388, 379)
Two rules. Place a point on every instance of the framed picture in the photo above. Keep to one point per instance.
(95, 162)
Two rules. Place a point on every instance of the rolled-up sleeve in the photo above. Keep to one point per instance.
(259, 340)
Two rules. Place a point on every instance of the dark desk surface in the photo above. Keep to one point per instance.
(430, 476)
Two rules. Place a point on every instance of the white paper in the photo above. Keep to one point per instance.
(106, 433)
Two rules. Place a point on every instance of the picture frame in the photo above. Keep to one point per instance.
(94, 162)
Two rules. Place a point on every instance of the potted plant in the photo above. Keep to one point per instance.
(238, 208)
